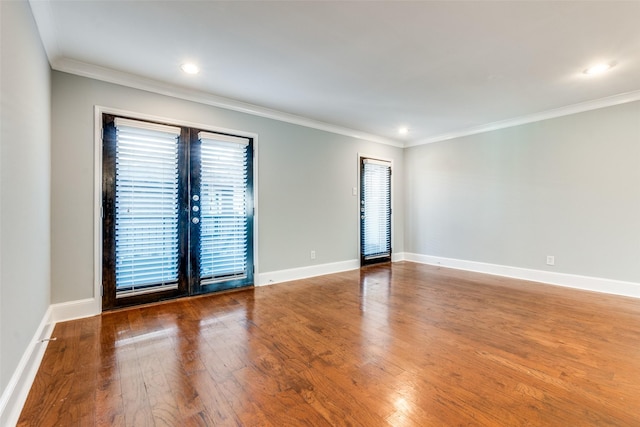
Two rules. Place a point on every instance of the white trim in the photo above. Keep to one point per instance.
(142, 83)
(73, 310)
(595, 284)
(97, 207)
(396, 257)
(137, 82)
(17, 390)
(43, 16)
(595, 104)
(15, 394)
(273, 277)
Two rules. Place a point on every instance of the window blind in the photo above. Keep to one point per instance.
(376, 209)
(146, 218)
(223, 203)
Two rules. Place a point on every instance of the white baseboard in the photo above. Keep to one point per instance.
(400, 256)
(280, 276)
(17, 390)
(72, 310)
(273, 277)
(596, 284)
(15, 394)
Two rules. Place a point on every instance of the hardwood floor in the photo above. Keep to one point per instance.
(400, 345)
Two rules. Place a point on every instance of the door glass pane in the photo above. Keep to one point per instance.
(146, 218)
(224, 230)
(376, 209)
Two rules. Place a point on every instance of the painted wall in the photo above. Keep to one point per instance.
(24, 184)
(305, 180)
(567, 187)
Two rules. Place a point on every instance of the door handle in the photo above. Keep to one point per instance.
(195, 209)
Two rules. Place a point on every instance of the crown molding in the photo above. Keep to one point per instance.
(43, 16)
(609, 101)
(138, 82)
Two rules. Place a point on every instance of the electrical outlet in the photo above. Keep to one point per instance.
(313, 254)
(551, 260)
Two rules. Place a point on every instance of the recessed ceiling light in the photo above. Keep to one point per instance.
(403, 130)
(190, 68)
(598, 68)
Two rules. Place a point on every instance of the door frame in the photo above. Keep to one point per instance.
(359, 189)
(97, 189)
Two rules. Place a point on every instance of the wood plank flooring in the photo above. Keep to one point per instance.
(399, 345)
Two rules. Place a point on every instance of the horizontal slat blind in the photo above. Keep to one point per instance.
(146, 205)
(376, 233)
(223, 204)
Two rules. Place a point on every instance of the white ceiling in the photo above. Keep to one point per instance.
(441, 68)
